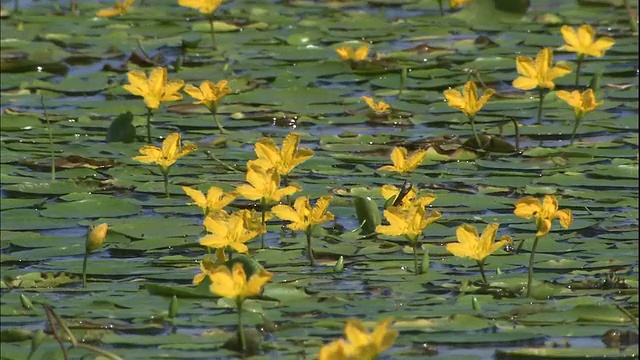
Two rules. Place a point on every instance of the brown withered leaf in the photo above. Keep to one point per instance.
(76, 161)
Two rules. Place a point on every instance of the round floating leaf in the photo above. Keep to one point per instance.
(96, 206)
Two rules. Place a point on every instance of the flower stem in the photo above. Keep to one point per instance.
(165, 176)
(530, 277)
(415, 258)
(216, 159)
(542, 94)
(149, 125)
(309, 250)
(441, 8)
(575, 129)
(475, 133)
(517, 133)
(213, 36)
(484, 277)
(243, 341)
(263, 205)
(84, 268)
(222, 130)
(578, 65)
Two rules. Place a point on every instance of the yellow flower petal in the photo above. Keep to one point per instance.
(454, 99)
(467, 234)
(361, 53)
(524, 83)
(398, 157)
(224, 284)
(150, 154)
(111, 12)
(383, 337)
(527, 207)
(333, 351)
(256, 282)
(415, 160)
(197, 196)
(565, 217)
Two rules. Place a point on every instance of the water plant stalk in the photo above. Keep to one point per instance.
(216, 159)
(481, 267)
(243, 341)
(309, 250)
(578, 65)
(165, 178)
(53, 157)
(213, 36)
(149, 125)
(51, 316)
(415, 258)
(403, 79)
(575, 129)
(517, 133)
(633, 16)
(542, 93)
(475, 133)
(222, 130)
(84, 268)
(530, 275)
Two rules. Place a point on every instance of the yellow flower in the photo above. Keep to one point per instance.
(234, 285)
(120, 8)
(470, 245)
(539, 73)
(335, 350)
(209, 93)
(302, 215)
(410, 200)
(207, 266)
(204, 6)
(214, 202)
(530, 207)
(265, 185)
(253, 220)
(402, 162)
(581, 103)
(227, 232)
(170, 153)
(380, 108)
(347, 53)
(363, 345)
(156, 89)
(583, 41)
(457, 3)
(96, 236)
(269, 156)
(410, 222)
(468, 101)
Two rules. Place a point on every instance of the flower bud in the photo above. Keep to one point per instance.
(425, 262)
(475, 304)
(36, 340)
(339, 267)
(25, 302)
(173, 307)
(96, 236)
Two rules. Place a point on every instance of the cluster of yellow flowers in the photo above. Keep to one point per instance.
(267, 181)
(156, 89)
(533, 74)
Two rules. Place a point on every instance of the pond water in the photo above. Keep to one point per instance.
(280, 61)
